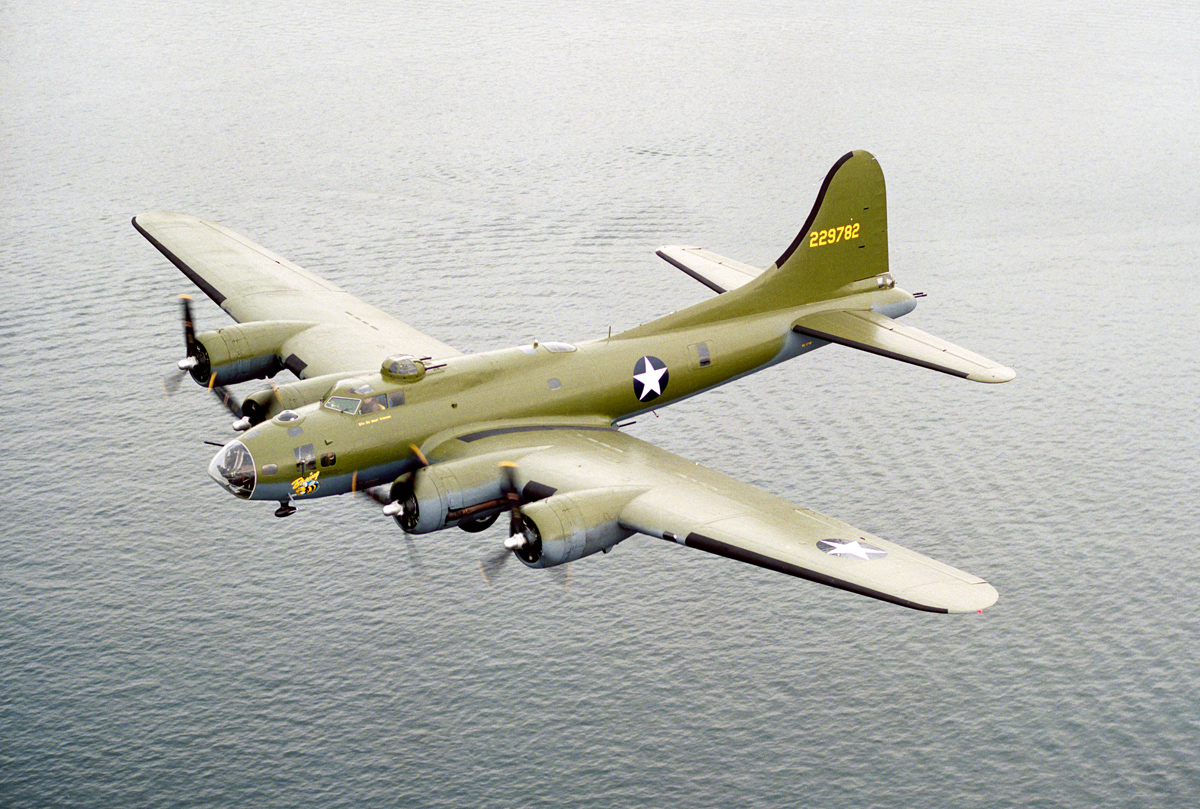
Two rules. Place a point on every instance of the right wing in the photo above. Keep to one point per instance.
(251, 283)
(680, 501)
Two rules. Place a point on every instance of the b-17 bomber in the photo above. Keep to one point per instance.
(534, 432)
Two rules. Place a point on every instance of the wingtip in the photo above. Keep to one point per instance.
(955, 596)
(994, 375)
(979, 597)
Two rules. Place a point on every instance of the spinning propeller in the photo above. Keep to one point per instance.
(193, 360)
(491, 565)
(414, 559)
(517, 540)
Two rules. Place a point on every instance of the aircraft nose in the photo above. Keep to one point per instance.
(233, 468)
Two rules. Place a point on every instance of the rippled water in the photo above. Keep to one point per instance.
(500, 171)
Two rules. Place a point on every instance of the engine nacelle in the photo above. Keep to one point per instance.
(570, 526)
(242, 352)
(450, 493)
(266, 404)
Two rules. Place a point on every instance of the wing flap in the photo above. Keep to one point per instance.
(878, 334)
(716, 272)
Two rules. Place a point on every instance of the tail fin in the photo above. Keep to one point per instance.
(843, 240)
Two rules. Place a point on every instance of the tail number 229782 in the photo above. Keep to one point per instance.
(820, 238)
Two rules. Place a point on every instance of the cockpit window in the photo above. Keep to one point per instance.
(362, 390)
(375, 403)
(343, 403)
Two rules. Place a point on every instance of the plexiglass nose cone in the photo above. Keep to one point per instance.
(233, 468)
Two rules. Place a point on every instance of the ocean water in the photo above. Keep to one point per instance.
(497, 172)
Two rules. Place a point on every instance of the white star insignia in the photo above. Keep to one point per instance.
(650, 379)
(859, 550)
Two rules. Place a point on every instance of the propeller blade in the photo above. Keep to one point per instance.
(490, 566)
(374, 493)
(562, 575)
(171, 382)
(414, 559)
(227, 399)
(189, 331)
(516, 523)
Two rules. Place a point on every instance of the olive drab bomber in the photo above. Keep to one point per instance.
(532, 432)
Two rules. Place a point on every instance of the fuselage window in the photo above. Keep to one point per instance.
(328, 459)
(343, 403)
(306, 458)
(396, 398)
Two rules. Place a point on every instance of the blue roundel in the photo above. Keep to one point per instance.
(649, 378)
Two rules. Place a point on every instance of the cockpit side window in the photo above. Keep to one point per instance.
(375, 403)
(343, 403)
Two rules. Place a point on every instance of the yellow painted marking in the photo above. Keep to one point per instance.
(373, 421)
(820, 238)
(307, 484)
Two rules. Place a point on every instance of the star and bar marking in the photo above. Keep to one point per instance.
(855, 548)
(650, 377)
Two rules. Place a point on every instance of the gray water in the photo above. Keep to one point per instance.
(494, 172)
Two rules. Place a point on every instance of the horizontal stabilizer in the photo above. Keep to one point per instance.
(715, 272)
(871, 331)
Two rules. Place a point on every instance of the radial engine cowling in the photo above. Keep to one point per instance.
(450, 493)
(242, 352)
(570, 526)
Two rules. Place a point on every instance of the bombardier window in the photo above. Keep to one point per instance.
(343, 403)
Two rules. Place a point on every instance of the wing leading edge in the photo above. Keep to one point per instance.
(251, 283)
(683, 502)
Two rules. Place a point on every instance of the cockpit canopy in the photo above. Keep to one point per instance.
(355, 396)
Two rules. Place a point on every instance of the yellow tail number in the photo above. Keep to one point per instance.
(820, 238)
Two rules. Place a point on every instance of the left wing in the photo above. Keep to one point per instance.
(340, 332)
(681, 501)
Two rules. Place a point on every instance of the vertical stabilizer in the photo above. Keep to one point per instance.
(843, 240)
